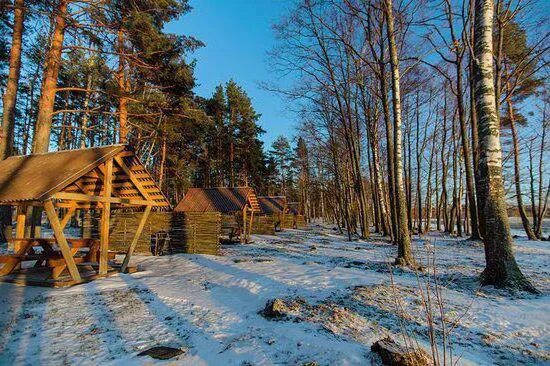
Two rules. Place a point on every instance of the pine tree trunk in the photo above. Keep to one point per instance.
(501, 268)
(122, 90)
(9, 103)
(404, 252)
(10, 95)
(85, 114)
(43, 128)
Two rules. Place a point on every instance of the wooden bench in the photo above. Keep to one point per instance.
(50, 256)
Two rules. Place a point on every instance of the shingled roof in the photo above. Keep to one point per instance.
(272, 205)
(222, 199)
(38, 177)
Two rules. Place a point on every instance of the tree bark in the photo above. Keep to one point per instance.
(517, 175)
(10, 99)
(43, 128)
(466, 155)
(501, 268)
(122, 90)
(10, 96)
(404, 252)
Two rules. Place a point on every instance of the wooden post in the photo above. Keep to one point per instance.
(105, 218)
(136, 238)
(21, 222)
(250, 226)
(243, 235)
(61, 240)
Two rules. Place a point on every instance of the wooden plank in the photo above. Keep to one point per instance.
(135, 239)
(99, 199)
(105, 218)
(61, 240)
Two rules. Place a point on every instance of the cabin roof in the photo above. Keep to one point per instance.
(271, 205)
(39, 177)
(221, 199)
(294, 208)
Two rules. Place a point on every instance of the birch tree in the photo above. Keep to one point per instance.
(501, 268)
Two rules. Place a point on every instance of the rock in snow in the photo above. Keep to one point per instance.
(162, 352)
(393, 354)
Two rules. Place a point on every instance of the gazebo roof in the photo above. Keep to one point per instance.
(222, 199)
(73, 174)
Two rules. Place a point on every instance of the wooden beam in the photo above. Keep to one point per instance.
(105, 218)
(61, 240)
(135, 239)
(132, 177)
(89, 198)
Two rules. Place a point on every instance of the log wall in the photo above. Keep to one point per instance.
(196, 233)
(264, 224)
(300, 222)
(287, 222)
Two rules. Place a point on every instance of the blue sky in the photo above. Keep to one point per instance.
(237, 34)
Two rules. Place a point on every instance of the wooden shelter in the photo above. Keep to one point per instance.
(272, 209)
(237, 207)
(293, 218)
(100, 179)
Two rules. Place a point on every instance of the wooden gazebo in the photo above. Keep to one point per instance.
(236, 205)
(101, 179)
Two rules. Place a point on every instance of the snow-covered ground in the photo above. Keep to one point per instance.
(210, 306)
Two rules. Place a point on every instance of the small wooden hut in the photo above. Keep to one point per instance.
(293, 218)
(236, 208)
(61, 183)
(272, 209)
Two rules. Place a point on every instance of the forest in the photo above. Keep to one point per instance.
(413, 118)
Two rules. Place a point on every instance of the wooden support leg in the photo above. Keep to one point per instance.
(61, 240)
(105, 219)
(250, 226)
(56, 271)
(243, 233)
(21, 222)
(135, 239)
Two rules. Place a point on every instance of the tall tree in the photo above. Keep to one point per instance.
(10, 95)
(41, 141)
(501, 268)
(404, 251)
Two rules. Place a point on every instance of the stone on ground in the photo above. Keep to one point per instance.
(394, 354)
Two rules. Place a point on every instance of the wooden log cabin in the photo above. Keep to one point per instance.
(293, 218)
(236, 207)
(62, 183)
(272, 209)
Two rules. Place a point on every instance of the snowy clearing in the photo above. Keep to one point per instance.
(210, 306)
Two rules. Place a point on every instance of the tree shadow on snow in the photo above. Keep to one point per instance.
(22, 333)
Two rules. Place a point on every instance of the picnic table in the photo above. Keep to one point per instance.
(46, 253)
